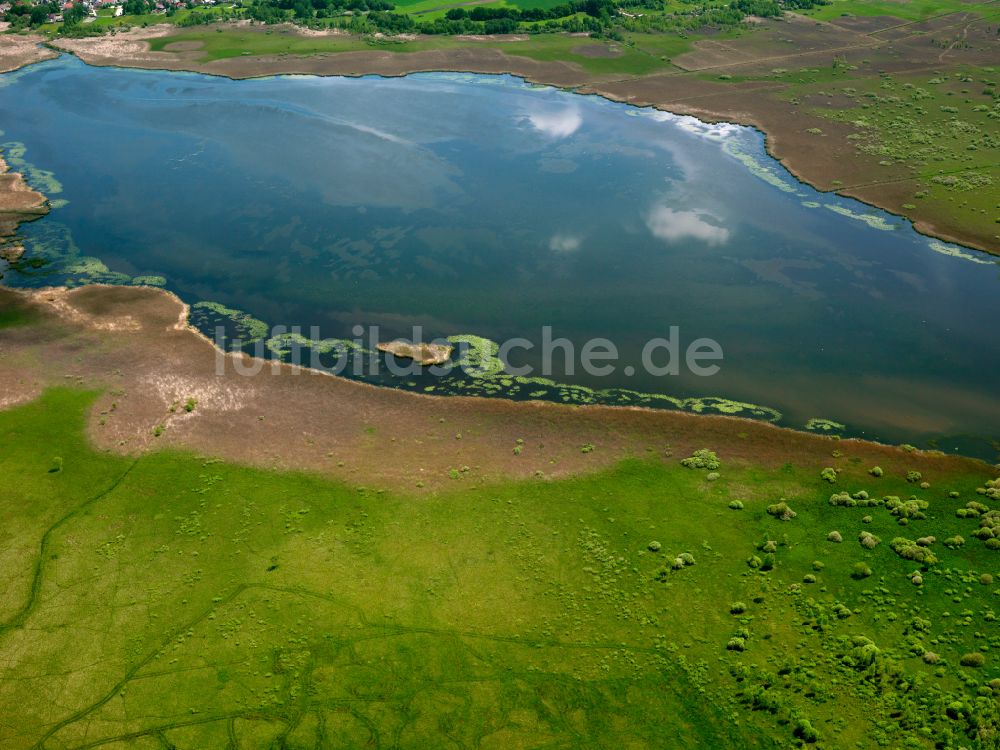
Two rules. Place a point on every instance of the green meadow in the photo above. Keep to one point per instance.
(905, 10)
(639, 55)
(170, 600)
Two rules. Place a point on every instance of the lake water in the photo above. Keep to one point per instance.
(486, 207)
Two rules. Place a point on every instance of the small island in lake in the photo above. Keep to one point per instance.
(423, 354)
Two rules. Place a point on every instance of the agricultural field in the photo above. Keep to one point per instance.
(696, 602)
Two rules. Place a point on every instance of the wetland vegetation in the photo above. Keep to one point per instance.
(263, 609)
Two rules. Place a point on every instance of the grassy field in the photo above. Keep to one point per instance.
(905, 10)
(221, 44)
(640, 55)
(175, 601)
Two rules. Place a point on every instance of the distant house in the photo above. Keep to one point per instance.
(4, 7)
(118, 11)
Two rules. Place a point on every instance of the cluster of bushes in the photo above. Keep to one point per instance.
(858, 499)
(991, 490)
(972, 509)
(683, 560)
(278, 11)
(868, 540)
(597, 17)
(781, 511)
(906, 510)
(911, 550)
(702, 459)
(595, 8)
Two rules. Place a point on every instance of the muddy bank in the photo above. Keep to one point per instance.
(18, 50)
(18, 203)
(134, 344)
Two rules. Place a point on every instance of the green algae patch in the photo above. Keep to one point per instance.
(874, 221)
(953, 251)
(246, 327)
(817, 424)
(42, 180)
(157, 281)
(478, 356)
(756, 166)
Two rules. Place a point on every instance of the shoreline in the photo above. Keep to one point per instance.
(186, 323)
(19, 204)
(144, 355)
(808, 161)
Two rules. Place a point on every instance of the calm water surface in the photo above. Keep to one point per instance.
(482, 205)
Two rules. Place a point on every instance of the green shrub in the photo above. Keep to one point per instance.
(736, 644)
(860, 570)
(973, 659)
(808, 578)
(712, 476)
(842, 611)
(805, 731)
(190, 404)
(842, 499)
(686, 557)
(986, 579)
(736, 505)
(702, 459)
(737, 608)
(876, 471)
(910, 550)
(913, 508)
(654, 546)
(913, 477)
(835, 537)
(993, 544)
(829, 474)
(931, 658)
(954, 542)
(781, 511)
(868, 540)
